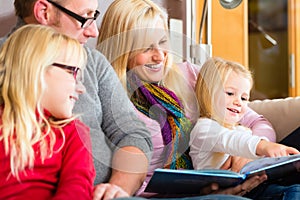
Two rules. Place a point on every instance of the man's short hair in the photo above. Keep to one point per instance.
(24, 8)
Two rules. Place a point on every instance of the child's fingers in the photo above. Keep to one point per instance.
(291, 150)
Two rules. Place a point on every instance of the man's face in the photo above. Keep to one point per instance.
(70, 26)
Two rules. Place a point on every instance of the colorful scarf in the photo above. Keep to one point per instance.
(162, 105)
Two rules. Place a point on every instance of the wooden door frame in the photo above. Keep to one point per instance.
(293, 47)
(230, 32)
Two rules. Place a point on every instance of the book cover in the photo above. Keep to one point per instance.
(168, 181)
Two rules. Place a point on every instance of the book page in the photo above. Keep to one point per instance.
(267, 163)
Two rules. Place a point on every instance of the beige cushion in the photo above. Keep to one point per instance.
(284, 114)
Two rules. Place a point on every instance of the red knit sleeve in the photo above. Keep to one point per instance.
(77, 170)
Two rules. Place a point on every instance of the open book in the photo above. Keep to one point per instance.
(168, 181)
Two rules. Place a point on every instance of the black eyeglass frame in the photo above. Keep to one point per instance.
(75, 71)
(79, 18)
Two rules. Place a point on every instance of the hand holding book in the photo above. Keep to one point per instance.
(241, 189)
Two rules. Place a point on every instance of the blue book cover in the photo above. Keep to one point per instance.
(168, 181)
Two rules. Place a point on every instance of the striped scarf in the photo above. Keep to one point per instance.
(162, 105)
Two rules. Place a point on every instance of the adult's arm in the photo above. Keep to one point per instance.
(124, 133)
(259, 125)
(122, 174)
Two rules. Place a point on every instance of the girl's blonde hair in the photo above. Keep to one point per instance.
(212, 76)
(127, 28)
(24, 59)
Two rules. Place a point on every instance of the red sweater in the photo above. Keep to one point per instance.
(68, 174)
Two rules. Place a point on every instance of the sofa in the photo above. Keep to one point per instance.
(284, 114)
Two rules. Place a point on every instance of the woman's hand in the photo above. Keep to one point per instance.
(239, 190)
(107, 191)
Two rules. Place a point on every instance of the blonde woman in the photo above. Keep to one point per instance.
(134, 37)
(223, 91)
(136, 42)
(45, 151)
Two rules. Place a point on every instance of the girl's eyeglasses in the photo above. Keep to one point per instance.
(75, 71)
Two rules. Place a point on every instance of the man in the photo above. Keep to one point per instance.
(121, 143)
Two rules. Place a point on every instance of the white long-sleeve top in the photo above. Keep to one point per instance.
(211, 144)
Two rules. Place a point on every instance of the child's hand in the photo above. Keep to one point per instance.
(271, 149)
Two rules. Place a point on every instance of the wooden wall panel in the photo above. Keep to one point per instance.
(230, 32)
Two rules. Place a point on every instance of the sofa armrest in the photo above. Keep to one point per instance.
(284, 114)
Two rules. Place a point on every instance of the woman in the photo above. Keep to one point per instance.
(134, 38)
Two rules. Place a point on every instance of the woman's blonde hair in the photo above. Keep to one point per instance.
(127, 28)
(212, 76)
(24, 59)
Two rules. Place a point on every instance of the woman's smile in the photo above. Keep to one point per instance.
(155, 67)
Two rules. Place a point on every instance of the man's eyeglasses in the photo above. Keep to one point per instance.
(75, 71)
(85, 22)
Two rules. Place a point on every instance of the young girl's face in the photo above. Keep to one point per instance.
(62, 90)
(150, 63)
(237, 91)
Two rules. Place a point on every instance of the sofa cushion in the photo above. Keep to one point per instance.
(284, 114)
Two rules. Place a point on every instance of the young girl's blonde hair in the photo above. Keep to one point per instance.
(24, 59)
(127, 28)
(212, 76)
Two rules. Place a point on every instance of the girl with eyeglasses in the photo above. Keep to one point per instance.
(45, 150)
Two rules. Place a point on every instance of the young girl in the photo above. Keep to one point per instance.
(45, 152)
(223, 90)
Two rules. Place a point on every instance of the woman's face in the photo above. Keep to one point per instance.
(62, 90)
(149, 64)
